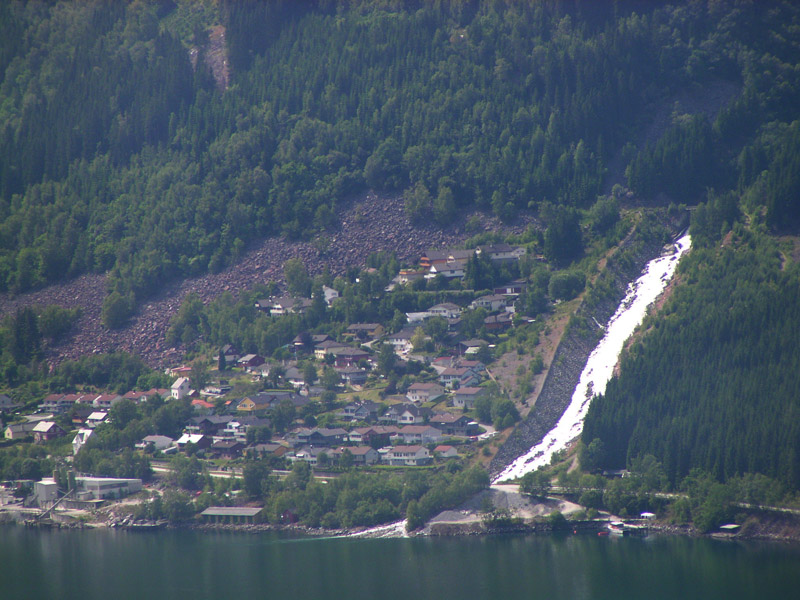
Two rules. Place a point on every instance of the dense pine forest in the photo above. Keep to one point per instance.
(132, 144)
(121, 151)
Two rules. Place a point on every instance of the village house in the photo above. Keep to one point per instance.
(512, 288)
(284, 305)
(401, 340)
(359, 411)
(467, 347)
(330, 294)
(490, 302)
(406, 414)
(268, 449)
(80, 439)
(80, 412)
(405, 276)
(180, 388)
(58, 403)
(424, 392)
(499, 322)
(154, 392)
(475, 365)
(44, 431)
(352, 375)
(265, 400)
(207, 425)
(7, 404)
(19, 431)
(465, 397)
(364, 331)
(325, 347)
(155, 443)
(226, 449)
(347, 356)
(310, 454)
(411, 456)
(448, 310)
(502, 253)
(440, 257)
(96, 418)
(238, 427)
(418, 434)
(362, 455)
(449, 270)
(250, 362)
(376, 436)
(230, 353)
(202, 406)
(198, 439)
(456, 377)
(317, 436)
(445, 451)
(309, 340)
(456, 425)
(106, 401)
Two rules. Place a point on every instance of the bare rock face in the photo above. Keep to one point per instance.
(367, 224)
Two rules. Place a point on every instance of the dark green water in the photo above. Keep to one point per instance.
(190, 565)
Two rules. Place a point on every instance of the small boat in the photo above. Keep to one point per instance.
(616, 528)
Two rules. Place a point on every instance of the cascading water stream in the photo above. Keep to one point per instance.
(600, 365)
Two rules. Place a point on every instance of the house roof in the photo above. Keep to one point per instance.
(469, 391)
(231, 511)
(418, 429)
(45, 427)
(411, 449)
(426, 387)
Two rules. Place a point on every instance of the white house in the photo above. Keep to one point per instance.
(181, 388)
(408, 456)
(418, 434)
(96, 418)
(448, 310)
(330, 294)
(424, 392)
(80, 439)
(449, 270)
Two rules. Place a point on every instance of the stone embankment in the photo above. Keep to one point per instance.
(368, 223)
(574, 350)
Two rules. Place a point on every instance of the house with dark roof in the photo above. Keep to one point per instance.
(465, 397)
(457, 425)
(364, 331)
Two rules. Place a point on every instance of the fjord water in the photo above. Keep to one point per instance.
(86, 564)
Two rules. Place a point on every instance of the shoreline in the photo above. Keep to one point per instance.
(778, 532)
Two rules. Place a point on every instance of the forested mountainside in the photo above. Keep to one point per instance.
(158, 140)
(121, 151)
(715, 382)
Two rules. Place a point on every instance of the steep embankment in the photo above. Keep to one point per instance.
(367, 224)
(576, 345)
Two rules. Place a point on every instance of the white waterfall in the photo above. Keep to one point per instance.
(600, 365)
